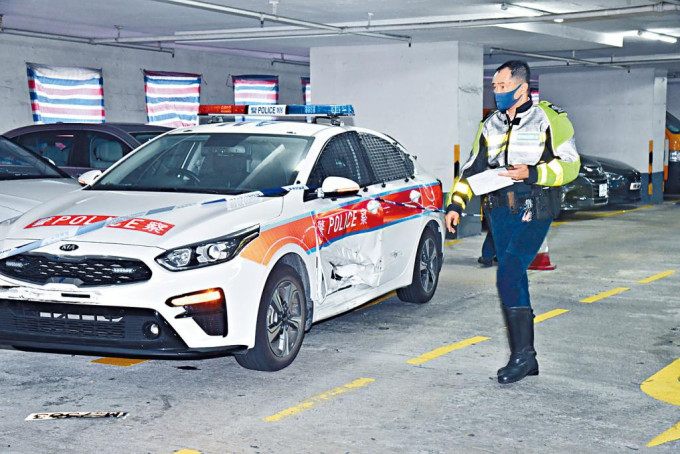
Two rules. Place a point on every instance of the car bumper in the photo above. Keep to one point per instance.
(584, 193)
(116, 319)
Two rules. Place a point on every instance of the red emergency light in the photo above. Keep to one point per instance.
(216, 109)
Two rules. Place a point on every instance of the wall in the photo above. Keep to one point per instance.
(428, 96)
(615, 114)
(123, 78)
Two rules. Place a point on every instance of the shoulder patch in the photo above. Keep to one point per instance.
(557, 109)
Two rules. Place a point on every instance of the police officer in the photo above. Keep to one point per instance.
(535, 145)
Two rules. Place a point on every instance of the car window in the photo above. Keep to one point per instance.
(342, 156)
(19, 163)
(388, 162)
(54, 145)
(103, 150)
(224, 163)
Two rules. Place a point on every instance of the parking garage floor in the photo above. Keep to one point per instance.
(404, 378)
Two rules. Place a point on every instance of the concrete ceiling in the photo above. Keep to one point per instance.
(607, 33)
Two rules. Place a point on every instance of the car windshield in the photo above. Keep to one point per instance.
(672, 123)
(219, 163)
(17, 163)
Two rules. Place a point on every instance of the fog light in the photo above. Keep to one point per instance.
(151, 330)
(213, 295)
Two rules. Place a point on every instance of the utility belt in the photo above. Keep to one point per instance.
(539, 203)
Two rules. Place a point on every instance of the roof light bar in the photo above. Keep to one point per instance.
(279, 110)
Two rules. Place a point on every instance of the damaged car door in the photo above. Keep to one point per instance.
(348, 225)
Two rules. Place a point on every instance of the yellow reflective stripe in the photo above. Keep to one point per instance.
(459, 200)
(555, 166)
(463, 189)
(542, 170)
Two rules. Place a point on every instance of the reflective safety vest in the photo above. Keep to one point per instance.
(541, 137)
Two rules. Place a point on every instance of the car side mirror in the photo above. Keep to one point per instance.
(338, 187)
(89, 177)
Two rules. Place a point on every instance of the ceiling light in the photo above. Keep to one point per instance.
(559, 20)
(657, 36)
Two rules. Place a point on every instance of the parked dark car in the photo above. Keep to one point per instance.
(79, 147)
(589, 190)
(624, 180)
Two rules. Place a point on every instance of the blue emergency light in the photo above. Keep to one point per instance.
(279, 110)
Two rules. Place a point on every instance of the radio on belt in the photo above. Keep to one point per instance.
(278, 110)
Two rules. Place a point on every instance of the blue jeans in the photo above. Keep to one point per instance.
(517, 244)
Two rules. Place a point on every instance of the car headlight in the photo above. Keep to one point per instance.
(614, 176)
(209, 252)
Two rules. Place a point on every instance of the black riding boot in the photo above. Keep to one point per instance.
(522, 362)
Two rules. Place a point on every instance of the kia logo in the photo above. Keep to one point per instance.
(68, 247)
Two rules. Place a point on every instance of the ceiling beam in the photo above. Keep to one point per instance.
(567, 32)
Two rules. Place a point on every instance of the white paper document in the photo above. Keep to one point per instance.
(489, 181)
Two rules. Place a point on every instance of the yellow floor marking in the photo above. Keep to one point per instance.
(603, 295)
(187, 451)
(376, 301)
(320, 398)
(452, 242)
(664, 386)
(123, 362)
(550, 314)
(612, 213)
(437, 352)
(671, 434)
(561, 222)
(656, 277)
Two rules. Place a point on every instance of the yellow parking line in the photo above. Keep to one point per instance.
(664, 386)
(123, 362)
(452, 242)
(376, 301)
(320, 398)
(437, 352)
(671, 434)
(612, 213)
(550, 314)
(603, 295)
(656, 277)
(187, 451)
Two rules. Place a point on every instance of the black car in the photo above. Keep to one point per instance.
(79, 147)
(624, 180)
(589, 190)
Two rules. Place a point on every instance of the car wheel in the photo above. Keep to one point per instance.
(425, 271)
(280, 322)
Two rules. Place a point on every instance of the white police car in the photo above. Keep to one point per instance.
(224, 237)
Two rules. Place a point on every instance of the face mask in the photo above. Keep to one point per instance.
(504, 101)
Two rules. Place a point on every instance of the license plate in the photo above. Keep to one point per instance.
(635, 186)
(603, 190)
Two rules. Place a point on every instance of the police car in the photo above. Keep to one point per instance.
(227, 237)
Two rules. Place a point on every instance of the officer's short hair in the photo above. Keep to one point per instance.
(519, 70)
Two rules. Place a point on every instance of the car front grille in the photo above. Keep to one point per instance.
(84, 326)
(82, 272)
(595, 180)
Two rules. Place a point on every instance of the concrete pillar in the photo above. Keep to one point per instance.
(616, 114)
(427, 96)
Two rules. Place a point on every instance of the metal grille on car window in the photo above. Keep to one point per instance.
(388, 162)
(343, 156)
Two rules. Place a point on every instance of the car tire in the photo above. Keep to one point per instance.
(425, 270)
(282, 306)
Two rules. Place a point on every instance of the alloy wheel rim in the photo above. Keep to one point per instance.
(284, 318)
(428, 265)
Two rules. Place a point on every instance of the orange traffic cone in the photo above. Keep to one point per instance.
(542, 260)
